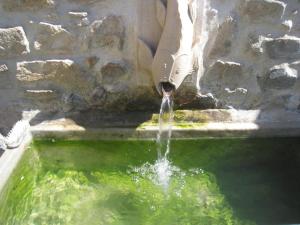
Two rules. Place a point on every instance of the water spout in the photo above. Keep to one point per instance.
(174, 58)
(167, 89)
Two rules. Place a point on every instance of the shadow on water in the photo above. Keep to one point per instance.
(258, 177)
(99, 119)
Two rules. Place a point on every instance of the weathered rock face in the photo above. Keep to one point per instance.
(73, 55)
(13, 5)
(3, 68)
(224, 39)
(53, 39)
(287, 47)
(262, 9)
(108, 32)
(258, 40)
(79, 19)
(13, 42)
(223, 75)
(113, 72)
(60, 73)
(280, 77)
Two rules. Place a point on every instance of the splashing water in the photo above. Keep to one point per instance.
(162, 170)
(162, 166)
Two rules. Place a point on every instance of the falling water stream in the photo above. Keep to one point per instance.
(162, 170)
(162, 165)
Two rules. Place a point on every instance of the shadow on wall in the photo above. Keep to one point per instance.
(90, 119)
(8, 119)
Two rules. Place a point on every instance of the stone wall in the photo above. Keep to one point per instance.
(252, 56)
(59, 56)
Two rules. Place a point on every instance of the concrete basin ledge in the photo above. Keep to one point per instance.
(10, 159)
(188, 124)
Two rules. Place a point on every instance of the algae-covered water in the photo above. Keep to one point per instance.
(214, 182)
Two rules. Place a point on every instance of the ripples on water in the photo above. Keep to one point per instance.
(160, 173)
(78, 183)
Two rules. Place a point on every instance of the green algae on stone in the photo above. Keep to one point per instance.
(184, 119)
(16, 197)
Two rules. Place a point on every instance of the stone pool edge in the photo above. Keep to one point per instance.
(213, 130)
(204, 124)
(187, 124)
(10, 159)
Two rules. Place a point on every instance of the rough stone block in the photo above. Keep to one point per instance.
(287, 47)
(14, 5)
(13, 42)
(3, 68)
(79, 19)
(86, 1)
(41, 94)
(280, 77)
(223, 75)
(257, 43)
(258, 9)
(42, 70)
(236, 97)
(63, 74)
(200, 101)
(113, 72)
(108, 32)
(224, 38)
(53, 39)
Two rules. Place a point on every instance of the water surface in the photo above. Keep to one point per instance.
(213, 182)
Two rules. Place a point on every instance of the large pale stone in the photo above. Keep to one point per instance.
(256, 43)
(223, 75)
(108, 32)
(280, 77)
(86, 1)
(53, 39)
(223, 42)
(13, 5)
(42, 70)
(113, 72)
(200, 101)
(62, 74)
(287, 47)
(3, 68)
(79, 19)
(235, 98)
(13, 42)
(41, 95)
(258, 9)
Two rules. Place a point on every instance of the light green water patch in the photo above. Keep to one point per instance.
(215, 182)
(182, 119)
(16, 200)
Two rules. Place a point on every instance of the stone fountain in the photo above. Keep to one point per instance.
(237, 59)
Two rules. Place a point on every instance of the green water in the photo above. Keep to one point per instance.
(214, 182)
